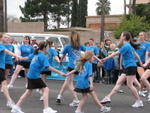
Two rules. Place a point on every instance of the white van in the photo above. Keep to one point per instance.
(59, 40)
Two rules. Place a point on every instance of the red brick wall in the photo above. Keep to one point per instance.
(107, 26)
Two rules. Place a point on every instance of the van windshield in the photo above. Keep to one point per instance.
(64, 41)
(56, 42)
(39, 38)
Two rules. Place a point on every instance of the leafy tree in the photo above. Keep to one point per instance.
(82, 12)
(61, 10)
(102, 9)
(35, 9)
(133, 24)
(143, 10)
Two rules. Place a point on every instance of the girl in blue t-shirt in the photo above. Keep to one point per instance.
(38, 63)
(3, 82)
(26, 49)
(84, 84)
(142, 52)
(146, 75)
(8, 58)
(129, 63)
(73, 50)
(51, 55)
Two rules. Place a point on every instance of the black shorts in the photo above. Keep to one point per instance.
(36, 84)
(87, 90)
(8, 66)
(70, 69)
(46, 72)
(130, 71)
(24, 64)
(2, 76)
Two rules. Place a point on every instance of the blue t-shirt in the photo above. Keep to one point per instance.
(148, 48)
(2, 56)
(8, 58)
(83, 78)
(127, 52)
(26, 50)
(38, 63)
(73, 55)
(51, 54)
(95, 50)
(142, 50)
(109, 64)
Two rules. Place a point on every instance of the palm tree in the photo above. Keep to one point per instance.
(125, 5)
(103, 8)
(3, 15)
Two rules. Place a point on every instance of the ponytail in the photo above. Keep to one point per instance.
(36, 51)
(42, 45)
(84, 58)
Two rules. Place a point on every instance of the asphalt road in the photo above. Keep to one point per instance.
(121, 102)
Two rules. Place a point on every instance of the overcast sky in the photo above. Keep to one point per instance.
(116, 7)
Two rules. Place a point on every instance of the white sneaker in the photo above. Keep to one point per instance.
(10, 86)
(41, 98)
(138, 104)
(142, 94)
(105, 100)
(74, 103)
(78, 111)
(10, 104)
(148, 97)
(49, 110)
(39, 91)
(59, 99)
(105, 109)
(16, 109)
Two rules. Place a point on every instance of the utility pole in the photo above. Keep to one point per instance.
(3, 15)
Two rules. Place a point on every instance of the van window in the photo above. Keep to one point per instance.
(39, 39)
(64, 41)
(56, 42)
(17, 38)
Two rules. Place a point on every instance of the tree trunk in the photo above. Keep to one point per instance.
(3, 16)
(125, 11)
(130, 7)
(58, 21)
(102, 28)
(74, 16)
(45, 19)
(133, 6)
(68, 15)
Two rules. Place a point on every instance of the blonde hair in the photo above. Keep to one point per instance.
(142, 33)
(113, 46)
(75, 40)
(84, 58)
